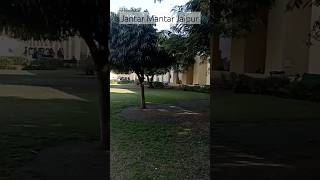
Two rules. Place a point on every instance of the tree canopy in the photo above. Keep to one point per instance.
(229, 18)
(176, 45)
(135, 48)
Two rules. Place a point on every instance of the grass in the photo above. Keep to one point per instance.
(156, 151)
(230, 107)
(139, 150)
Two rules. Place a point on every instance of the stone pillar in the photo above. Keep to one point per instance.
(237, 55)
(314, 50)
(70, 48)
(77, 47)
(208, 73)
(66, 49)
(287, 36)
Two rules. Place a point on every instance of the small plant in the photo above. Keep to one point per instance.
(125, 82)
(11, 63)
(158, 85)
(44, 64)
(87, 66)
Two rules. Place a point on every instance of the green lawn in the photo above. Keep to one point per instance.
(230, 107)
(157, 150)
(140, 150)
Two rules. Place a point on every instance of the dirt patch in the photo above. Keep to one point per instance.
(181, 113)
(71, 160)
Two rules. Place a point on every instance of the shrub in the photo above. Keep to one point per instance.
(242, 84)
(315, 93)
(112, 81)
(8, 67)
(125, 82)
(10, 63)
(87, 66)
(44, 64)
(271, 85)
(202, 89)
(158, 85)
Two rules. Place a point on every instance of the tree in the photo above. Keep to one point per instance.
(175, 45)
(57, 20)
(133, 48)
(161, 62)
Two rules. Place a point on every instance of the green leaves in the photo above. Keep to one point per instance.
(46, 19)
(131, 46)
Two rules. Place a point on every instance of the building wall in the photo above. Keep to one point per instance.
(187, 76)
(296, 52)
(314, 50)
(255, 50)
(200, 71)
(238, 55)
(248, 53)
(287, 36)
(72, 47)
(225, 47)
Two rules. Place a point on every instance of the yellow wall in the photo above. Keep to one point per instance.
(314, 50)
(248, 53)
(187, 76)
(287, 36)
(255, 51)
(275, 37)
(237, 55)
(200, 71)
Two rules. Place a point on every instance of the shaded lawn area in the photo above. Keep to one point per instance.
(139, 150)
(29, 125)
(265, 137)
(231, 107)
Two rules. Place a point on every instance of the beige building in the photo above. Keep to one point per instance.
(278, 43)
(71, 47)
(197, 74)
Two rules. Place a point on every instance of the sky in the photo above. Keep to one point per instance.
(163, 8)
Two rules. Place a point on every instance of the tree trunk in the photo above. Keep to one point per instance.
(214, 15)
(103, 75)
(100, 57)
(104, 105)
(148, 80)
(151, 81)
(143, 100)
(214, 54)
(216, 62)
(177, 77)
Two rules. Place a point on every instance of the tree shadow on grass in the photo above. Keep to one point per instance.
(30, 126)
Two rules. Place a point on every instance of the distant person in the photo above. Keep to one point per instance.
(25, 51)
(60, 53)
(35, 54)
(51, 52)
